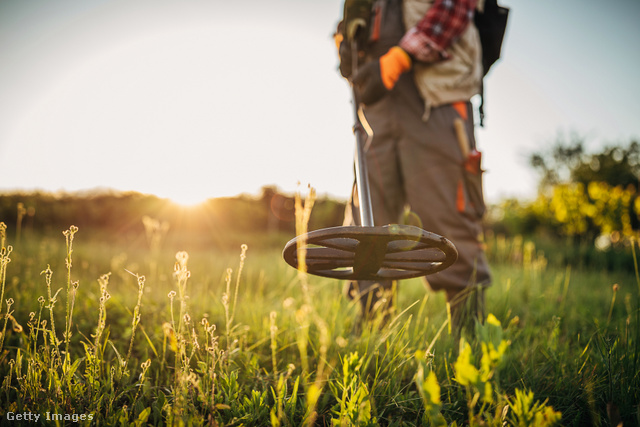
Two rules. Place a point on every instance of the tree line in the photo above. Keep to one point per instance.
(129, 215)
(587, 209)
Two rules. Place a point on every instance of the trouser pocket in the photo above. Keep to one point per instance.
(474, 190)
(470, 194)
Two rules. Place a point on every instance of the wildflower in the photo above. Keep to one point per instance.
(488, 392)
(432, 388)
(170, 334)
(290, 368)
(182, 257)
(342, 342)
(514, 321)
(16, 326)
(194, 336)
(492, 320)
(491, 357)
(466, 373)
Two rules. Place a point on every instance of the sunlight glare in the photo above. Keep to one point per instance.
(187, 199)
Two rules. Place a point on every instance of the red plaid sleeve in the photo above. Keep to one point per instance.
(443, 23)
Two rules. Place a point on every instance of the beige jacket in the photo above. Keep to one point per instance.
(455, 79)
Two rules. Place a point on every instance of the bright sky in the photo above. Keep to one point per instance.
(197, 99)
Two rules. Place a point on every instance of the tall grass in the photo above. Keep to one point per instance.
(209, 339)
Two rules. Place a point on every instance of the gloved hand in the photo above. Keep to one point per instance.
(374, 79)
(344, 53)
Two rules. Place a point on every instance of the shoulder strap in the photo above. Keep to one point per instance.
(491, 21)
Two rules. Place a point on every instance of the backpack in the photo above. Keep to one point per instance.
(491, 23)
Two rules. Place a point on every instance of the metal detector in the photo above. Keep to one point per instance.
(367, 252)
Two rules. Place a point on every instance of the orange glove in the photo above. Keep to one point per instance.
(375, 79)
(392, 64)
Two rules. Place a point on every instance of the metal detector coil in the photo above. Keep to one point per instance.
(392, 252)
(366, 252)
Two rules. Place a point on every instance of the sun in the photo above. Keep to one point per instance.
(187, 199)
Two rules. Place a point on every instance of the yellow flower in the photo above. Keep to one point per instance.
(432, 388)
(547, 417)
(492, 320)
(488, 393)
(466, 373)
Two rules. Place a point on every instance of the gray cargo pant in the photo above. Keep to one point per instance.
(418, 165)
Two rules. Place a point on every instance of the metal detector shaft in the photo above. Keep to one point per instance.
(362, 174)
(362, 137)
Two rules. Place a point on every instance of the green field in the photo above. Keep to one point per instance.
(105, 333)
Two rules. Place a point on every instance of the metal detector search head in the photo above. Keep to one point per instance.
(392, 252)
(366, 252)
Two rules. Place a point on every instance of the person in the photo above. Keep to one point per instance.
(417, 71)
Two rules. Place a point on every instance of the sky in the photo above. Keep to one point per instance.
(193, 99)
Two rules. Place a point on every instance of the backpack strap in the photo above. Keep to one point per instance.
(491, 21)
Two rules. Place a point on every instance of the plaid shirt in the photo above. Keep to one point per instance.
(443, 23)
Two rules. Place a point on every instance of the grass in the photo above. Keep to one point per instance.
(97, 334)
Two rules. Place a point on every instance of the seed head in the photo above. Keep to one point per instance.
(195, 338)
(17, 328)
(290, 368)
(47, 273)
(167, 328)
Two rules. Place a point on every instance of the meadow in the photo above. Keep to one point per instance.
(96, 332)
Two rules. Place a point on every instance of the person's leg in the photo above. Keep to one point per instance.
(437, 191)
(375, 298)
(466, 307)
